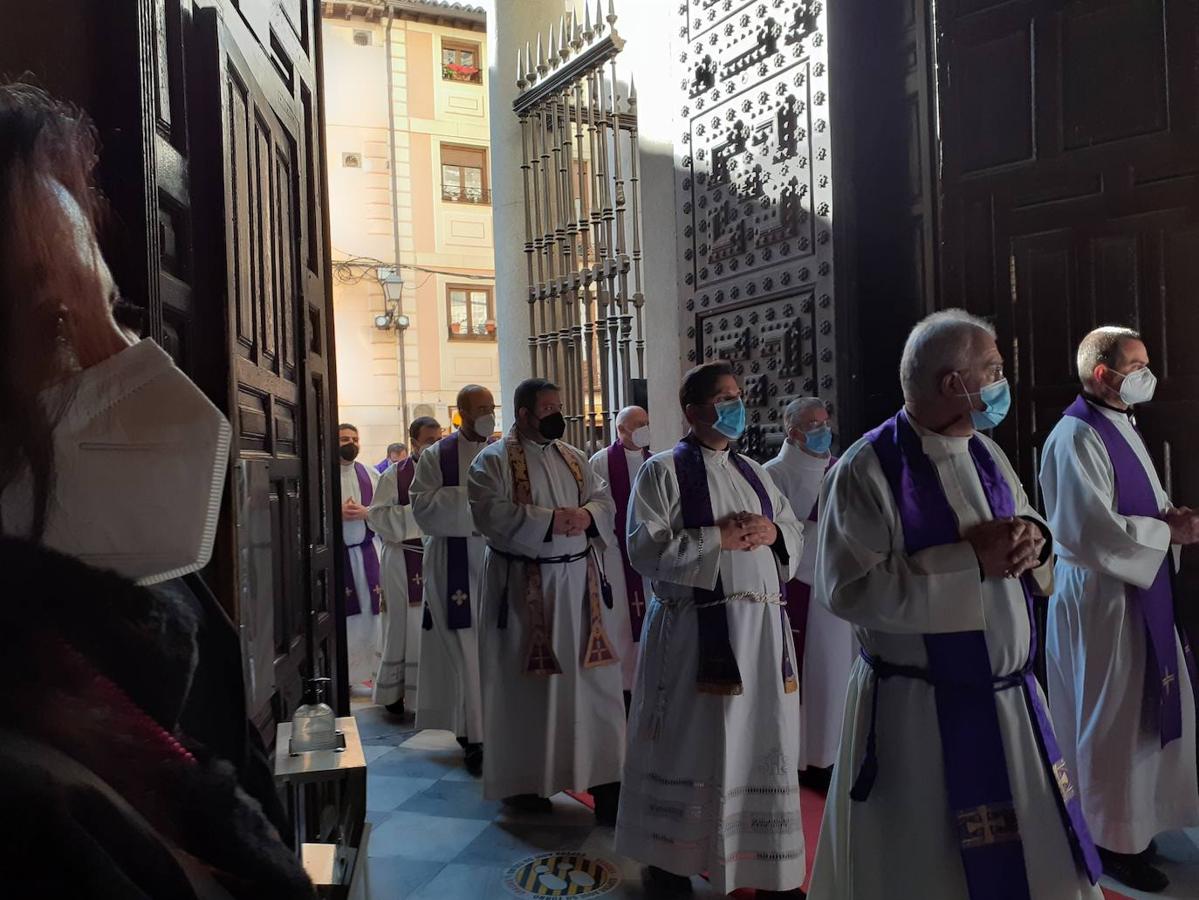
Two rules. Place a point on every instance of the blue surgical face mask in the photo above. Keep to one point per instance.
(730, 418)
(998, 399)
(818, 440)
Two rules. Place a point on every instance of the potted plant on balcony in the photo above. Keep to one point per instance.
(458, 72)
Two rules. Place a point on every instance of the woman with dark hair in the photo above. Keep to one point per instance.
(127, 764)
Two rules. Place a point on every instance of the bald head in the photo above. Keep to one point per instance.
(630, 421)
(475, 402)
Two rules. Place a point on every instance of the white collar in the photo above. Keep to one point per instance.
(794, 455)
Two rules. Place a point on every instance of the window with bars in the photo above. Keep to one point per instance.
(471, 312)
(464, 174)
(460, 62)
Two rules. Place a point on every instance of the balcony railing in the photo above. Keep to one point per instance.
(456, 194)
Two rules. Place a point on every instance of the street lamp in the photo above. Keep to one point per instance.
(393, 292)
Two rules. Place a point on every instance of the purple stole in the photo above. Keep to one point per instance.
(1135, 497)
(959, 670)
(383, 466)
(457, 575)
(618, 481)
(717, 671)
(799, 598)
(414, 556)
(370, 559)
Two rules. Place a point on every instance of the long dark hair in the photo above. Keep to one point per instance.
(42, 280)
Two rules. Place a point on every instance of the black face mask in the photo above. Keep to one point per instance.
(552, 427)
(348, 452)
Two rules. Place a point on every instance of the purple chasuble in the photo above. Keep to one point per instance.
(370, 558)
(717, 671)
(457, 559)
(618, 482)
(1135, 497)
(959, 670)
(799, 599)
(414, 553)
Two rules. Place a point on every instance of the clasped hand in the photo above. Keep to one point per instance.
(571, 521)
(1184, 525)
(1006, 548)
(746, 531)
(353, 511)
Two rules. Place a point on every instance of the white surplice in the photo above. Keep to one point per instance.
(901, 841)
(399, 627)
(566, 731)
(1131, 787)
(614, 569)
(451, 696)
(360, 628)
(830, 646)
(712, 782)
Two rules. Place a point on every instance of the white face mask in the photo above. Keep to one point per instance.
(640, 437)
(1138, 387)
(485, 426)
(140, 456)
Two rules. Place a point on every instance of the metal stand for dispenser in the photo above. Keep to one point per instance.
(327, 795)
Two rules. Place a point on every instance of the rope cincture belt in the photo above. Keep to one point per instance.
(883, 670)
(542, 560)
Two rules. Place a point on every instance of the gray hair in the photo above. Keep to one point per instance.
(940, 343)
(1103, 345)
(623, 415)
(797, 408)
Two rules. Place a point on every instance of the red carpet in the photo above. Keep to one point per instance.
(811, 805)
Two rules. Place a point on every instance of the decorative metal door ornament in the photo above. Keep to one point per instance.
(582, 220)
(755, 201)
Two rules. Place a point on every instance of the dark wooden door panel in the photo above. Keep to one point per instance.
(253, 127)
(1070, 199)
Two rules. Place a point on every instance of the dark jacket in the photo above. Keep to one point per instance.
(127, 767)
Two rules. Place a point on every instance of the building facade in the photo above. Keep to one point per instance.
(409, 159)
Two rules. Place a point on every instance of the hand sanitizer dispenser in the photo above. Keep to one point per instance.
(314, 727)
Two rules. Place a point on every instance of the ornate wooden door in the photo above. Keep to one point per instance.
(261, 258)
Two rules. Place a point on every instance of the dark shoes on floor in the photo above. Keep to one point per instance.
(474, 759)
(397, 709)
(607, 803)
(662, 885)
(529, 803)
(793, 894)
(1135, 870)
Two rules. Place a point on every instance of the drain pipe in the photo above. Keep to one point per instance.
(401, 361)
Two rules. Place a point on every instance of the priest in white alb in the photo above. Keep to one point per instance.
(949, 784)
(712, 775)
(363, 590)
(451, 697)
(1120, 670)
(399, 640)
(553, 714)
(617, 465)
(824, 643)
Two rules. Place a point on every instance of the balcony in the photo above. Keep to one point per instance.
(453, 193)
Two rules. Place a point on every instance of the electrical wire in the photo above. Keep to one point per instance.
(354, 269)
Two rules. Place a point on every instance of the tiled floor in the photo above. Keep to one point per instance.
(436, 838)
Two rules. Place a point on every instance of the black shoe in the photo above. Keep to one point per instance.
(662, 885)
(1149, 853)
(474, 759)
(816, 779)
(1133, 870)
(793, 894)
(607, 803)
(397, 709)
(529, 803)
(463, 742)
